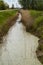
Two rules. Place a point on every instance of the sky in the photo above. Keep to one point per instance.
(15, 2)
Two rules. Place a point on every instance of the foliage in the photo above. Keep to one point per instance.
(35, 13)
(4, 15)
(24, 3)
(38, 22)
(12, 6)
(3, 5)
(32, 4)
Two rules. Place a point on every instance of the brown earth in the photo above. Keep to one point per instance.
(27, 20)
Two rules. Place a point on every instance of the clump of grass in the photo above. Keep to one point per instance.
(38, 22)
(35, 13)
(37, 26)
(4, 15)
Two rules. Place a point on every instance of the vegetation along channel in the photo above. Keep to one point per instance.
(21, 32)
(18, 40)
(33, 21)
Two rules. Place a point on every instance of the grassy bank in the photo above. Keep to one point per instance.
(37, 29)
(7, 19)
(4, 15)
(38, 22)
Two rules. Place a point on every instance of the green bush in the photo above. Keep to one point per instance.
(40, 31)
(37, 26)
(35, 13)
(38, 22)
(3, 5)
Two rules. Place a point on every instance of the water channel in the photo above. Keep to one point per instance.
(19, 46)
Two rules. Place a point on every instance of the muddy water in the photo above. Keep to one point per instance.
(19, 47)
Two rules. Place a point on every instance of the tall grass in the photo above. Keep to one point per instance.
(4, 15)
(38, 22)
(7, 19)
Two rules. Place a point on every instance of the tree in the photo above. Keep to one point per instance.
(32, 4)
(24, 3)
(2, 5)
(6, 6)
(39, 4)
(12, 6)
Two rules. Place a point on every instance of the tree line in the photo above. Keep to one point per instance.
(4, 6)
(32, 4)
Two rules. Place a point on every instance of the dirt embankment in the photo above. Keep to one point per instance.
(11, 21)
(28, 20)
(39, 51)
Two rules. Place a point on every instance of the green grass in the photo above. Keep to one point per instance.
(4, 15)
(38, 22)
(35, 13)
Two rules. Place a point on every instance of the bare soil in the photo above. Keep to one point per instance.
(27, 20)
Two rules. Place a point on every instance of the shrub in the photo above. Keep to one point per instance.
(35, 13)
(38, 22)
